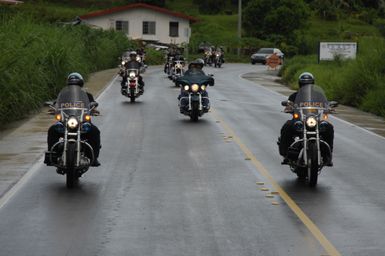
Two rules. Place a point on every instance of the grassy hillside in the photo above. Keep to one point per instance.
(37, 56)
(58, 49)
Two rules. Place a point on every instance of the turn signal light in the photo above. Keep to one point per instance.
(58, 117)
(87, 118)
(326, 117)
(296, 116)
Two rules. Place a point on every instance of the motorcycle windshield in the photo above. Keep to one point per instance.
(196, 78)
(72, 100)
(310, 99)
(133, 65)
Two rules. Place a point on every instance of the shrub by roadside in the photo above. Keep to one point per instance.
(37, 57)
(359, 83)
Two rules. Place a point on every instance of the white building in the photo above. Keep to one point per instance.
(144, 21)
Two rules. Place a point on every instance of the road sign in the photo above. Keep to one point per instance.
(273, 61)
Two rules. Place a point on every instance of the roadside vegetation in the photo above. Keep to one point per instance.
(39, 49)
(37, 56)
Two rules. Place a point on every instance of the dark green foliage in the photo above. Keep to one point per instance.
(209, 6)
(358, 83)
(154, 57)
(267, 19)
(36, 58)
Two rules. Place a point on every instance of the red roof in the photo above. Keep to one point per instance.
(136, 6)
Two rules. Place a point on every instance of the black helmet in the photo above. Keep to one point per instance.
(75, 79)
(198, 63)
(305, 78)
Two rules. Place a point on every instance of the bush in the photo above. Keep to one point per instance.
(358, 83)
(40, 56)
(154, 57)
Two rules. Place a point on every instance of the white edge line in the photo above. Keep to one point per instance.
(30, 172)
(338, 118)
(20, 183)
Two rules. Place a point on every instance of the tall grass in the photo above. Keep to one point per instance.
(359, 83)
(36, 58)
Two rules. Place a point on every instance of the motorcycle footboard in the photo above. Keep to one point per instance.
(50, 158)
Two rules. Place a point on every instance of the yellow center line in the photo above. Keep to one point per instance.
(327, 245)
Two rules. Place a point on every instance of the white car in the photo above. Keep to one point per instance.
(262, 54)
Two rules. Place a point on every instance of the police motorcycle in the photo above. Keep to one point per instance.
(168, 66)
(208, 56)
(194, 94)
(178, 69)
(133, 90)
(218, 60)
(309, 152)
(71, 155)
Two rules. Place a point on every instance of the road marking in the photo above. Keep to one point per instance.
(326, 244)
(24, 179)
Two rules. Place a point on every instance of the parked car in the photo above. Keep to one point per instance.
(262, 54)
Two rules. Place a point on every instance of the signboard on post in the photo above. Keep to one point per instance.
(273, 61)
(331, 50)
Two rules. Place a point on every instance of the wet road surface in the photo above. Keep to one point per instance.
(168, 186)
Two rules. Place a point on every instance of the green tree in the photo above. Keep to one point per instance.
(268, 19)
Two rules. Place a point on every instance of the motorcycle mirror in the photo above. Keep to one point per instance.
(284, 103)
(210, 75)
(93, 105)
(48, 103)
(333, 104)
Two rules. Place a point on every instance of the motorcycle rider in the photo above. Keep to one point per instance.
(220, 50)
(132, 63)
(288, 130)
(172, 52)
(195, 72)
(93, 136)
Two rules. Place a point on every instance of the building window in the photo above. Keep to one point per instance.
(122, 25)
(148, 27)
(174, 29)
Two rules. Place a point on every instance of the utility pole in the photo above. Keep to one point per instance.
(239, 26)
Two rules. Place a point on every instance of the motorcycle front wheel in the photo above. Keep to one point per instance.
(132, 94)
(71, 175)
(194, 111)
(313, 164)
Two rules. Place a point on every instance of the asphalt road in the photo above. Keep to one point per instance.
(168, 186)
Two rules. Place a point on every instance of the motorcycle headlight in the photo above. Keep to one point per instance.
(132, 74)
(311, 122)
(186, 87)
(178, 66)
(72, 123)
(203, 87)
(138, 58)
(123, 62)
(195, 87)
(218, 55)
